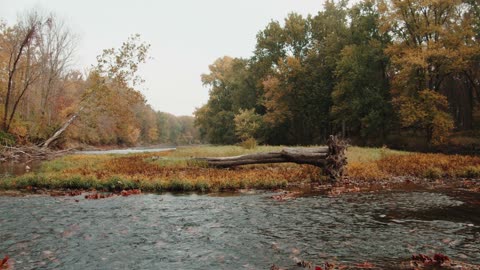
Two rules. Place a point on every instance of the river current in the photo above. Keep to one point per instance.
(236, 232)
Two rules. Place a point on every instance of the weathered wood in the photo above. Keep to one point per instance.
(337, 159)
(331, 158)
(28, 153)
(314, 156)
(64, 127)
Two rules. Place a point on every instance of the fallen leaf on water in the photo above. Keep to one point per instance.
(440, 258)
(126, 193)
(365, 265)
(4, 263)
(274, 267)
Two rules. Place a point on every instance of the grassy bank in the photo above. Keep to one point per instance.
(175, 171)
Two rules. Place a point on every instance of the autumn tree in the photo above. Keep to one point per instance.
(111, 88)
(427, 112)
(18, 45)
(435, 48)
(35, 53)
(56, 49)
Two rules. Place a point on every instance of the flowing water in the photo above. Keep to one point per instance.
(236, 232)
(126, 151)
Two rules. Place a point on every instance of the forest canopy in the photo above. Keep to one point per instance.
(373, 71)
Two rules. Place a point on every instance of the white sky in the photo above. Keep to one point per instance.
(185, 36)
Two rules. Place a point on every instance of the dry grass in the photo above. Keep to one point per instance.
(431, 165)
(378, 164)
(163, 171)
(175, 171)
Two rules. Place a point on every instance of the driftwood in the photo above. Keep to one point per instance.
(331, 158)
(28, 153)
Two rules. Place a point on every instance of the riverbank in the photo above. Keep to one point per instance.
(368, 168)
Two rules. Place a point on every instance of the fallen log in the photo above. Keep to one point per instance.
(316, 157)
(331, 158)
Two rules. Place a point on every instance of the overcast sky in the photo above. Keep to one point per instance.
(185, 36)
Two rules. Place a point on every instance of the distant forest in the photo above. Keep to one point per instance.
(44, 100)
(396, 72)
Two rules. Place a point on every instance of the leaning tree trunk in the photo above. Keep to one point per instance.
(331, 158)
(62, 129)
(59, 132)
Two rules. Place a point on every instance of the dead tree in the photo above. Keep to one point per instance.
(330, 158)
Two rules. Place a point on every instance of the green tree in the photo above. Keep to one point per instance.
(231, 89)
(247, 124)
(361, 99)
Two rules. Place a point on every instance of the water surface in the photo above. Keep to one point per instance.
(235, 232)
(126, 151)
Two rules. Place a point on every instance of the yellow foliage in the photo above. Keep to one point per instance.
(249, 143)
(152, 134)
(423, 165)
(427, 112)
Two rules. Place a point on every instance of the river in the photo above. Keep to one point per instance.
(236, 232)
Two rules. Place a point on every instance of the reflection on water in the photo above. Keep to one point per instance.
(242, 232)
(17, 168)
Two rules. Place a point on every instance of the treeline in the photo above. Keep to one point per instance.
(45, 101)
(373, 72)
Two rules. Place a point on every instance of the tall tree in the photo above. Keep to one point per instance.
(361, 99)
(231, 89)
(435, 48)
(18, 43)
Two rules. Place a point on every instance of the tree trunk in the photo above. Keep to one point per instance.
(59, 132)
(315, 156)
(331, 158)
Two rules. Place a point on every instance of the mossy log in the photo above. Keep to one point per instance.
(331, 158)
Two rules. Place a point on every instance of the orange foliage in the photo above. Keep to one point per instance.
(415, 165)
(422, 165)
(366, 171)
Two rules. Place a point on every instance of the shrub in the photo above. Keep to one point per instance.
(6, 138)
(471, 172)
(433, 173)
(250, 143)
